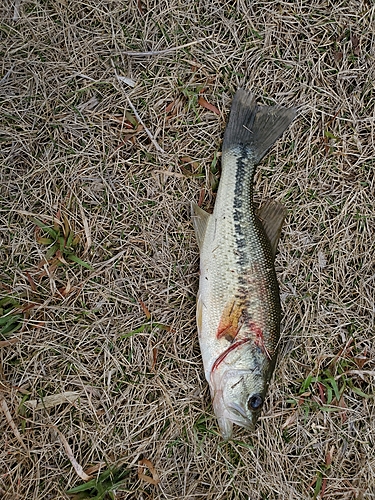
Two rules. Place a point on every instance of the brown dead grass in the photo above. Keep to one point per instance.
(66, 146)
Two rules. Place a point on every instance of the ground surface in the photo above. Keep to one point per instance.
(99, 264)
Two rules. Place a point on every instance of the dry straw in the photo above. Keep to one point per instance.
(120, 332)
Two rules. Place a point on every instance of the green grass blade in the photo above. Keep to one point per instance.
(77, 260)
(83, 487)
(318, 485)
(45, 228)
(140, 329)
(51, 251)
(358, 391)
(69, 240)
(61, 241)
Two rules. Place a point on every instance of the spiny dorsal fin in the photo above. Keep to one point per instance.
(272, 215)
(200, 220)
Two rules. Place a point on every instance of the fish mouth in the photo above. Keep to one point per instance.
(237, 409)
(230, 408)
(227, 415)
(238, 416)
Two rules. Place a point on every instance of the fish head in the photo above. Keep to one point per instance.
(238, 397)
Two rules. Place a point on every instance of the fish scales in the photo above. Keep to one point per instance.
(238, 305)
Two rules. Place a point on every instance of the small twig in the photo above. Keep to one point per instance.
(109, 261)
(77, 467)
(16, 12)
(360, 373)
(8, 416)
(158, 148)
(81, 75)
(6, 76)
(165, 51)
(87, 230)
(52, 400)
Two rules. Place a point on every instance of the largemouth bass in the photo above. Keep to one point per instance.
(238, 304)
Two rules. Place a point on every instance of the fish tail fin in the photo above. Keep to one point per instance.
(255, 127)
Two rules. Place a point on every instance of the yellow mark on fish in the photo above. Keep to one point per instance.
(230, 325)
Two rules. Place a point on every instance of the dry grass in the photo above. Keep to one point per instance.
(66, 153)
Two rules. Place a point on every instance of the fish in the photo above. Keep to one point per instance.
(238, 305)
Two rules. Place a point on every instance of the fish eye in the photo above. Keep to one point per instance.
(255, 402)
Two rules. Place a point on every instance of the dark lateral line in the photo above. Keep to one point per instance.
(227, 351)
(245, 171)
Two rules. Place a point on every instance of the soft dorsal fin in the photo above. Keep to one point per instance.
(272, 215)
(200, 219)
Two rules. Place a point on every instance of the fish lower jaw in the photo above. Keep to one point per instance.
(226, 420)
(226, 417)
(226, 428)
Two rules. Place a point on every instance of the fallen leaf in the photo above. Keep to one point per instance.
(16, 12)
(342, 404)
(131, 119)
(53, 400)
(141, 475)
(57, 220)
(322, 261)
(95, 468)
(44, 241)
(171, 110)
(321, 392)
(329, 456)
(144, 309)
(338, 56)
(201, 197)
(355, 44)
(202, 102)
(166, 328)
(154, 357)
(29, 306)
(126, 80)
(88, 105)
(289, 421)
(31, 281)
(323, 488)
(170, 106)
(87, 231)
(22, 389)
(6, 343)
(66, 226)
(360, 361)
(60, 257)
(65, 290)
(189, 161)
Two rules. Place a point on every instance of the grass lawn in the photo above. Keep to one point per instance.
(111, 121)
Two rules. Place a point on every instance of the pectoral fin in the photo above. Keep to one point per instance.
(272, 215)
(200, 220)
